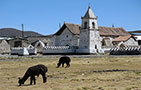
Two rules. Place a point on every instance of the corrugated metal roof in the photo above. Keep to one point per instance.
(110, 31)
(74, 28)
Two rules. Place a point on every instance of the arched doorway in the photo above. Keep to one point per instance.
(39, 45)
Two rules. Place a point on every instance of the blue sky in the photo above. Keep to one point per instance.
(44, 16)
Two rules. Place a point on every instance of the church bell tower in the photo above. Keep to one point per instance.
(89, 40)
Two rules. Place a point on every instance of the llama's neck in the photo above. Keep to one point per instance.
(25, 77)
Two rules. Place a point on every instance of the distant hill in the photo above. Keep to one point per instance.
(12, 32)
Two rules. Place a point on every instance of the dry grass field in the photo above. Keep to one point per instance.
(95, 73)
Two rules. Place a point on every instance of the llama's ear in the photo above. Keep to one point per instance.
(19, 78)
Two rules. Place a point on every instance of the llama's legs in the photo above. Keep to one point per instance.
(44, 77)
(62, 64)
(68, 64)
(32, 78)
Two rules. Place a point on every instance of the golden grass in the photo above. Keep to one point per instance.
(80, 76)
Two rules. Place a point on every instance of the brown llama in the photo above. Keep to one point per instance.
(32, 72)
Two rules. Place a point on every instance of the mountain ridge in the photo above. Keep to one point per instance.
(13, 32)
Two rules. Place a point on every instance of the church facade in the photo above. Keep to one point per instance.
(82, 38)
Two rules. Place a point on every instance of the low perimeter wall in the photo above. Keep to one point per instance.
(58, 50)
(132, 50)
(23, 51)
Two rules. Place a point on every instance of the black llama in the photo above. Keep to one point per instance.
(64, 60)
(32, 72)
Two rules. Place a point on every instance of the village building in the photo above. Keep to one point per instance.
(4, 47)
(124, 41)
(34, 44)
(137, 35)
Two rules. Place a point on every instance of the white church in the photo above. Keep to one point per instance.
(84, 41)
(87, 38)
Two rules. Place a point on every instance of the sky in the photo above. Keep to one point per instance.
(44, 16)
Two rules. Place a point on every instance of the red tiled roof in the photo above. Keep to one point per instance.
(105, 31)
(122, 38)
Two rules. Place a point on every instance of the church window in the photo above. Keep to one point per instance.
(66, 35)
(103, 43)
(67, 45)
(85, 25)
(93, 24)
(95, 46)
(85, 46)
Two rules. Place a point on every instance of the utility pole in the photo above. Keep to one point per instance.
(22, 31)
(22, 34)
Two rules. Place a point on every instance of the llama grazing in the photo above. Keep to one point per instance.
(32, 72)
(64, 60)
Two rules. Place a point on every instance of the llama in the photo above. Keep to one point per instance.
(64, 60)
(32, 72)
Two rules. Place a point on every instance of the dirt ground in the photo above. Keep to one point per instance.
(95, 73)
